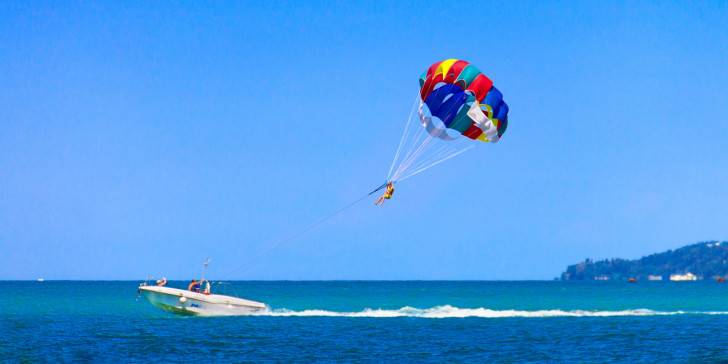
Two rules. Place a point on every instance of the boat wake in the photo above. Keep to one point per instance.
(448, 311)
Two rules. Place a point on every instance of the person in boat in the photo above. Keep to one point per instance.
(388, 192)
(194, 286)
(162, 282)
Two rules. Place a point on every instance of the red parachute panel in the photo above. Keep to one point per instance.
(480, 86)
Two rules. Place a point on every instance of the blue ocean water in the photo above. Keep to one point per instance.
(360, 321)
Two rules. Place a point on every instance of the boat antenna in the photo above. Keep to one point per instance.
(204, 269)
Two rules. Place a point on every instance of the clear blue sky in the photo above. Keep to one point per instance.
(138, 138)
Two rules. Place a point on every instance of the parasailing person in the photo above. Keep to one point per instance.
(388, 192)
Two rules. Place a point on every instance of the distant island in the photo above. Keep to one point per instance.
(705, 260)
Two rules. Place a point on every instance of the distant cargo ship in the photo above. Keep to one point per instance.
(683, 277)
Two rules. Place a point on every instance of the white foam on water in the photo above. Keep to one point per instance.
(448, 311)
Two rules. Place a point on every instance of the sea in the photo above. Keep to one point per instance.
(373, 321)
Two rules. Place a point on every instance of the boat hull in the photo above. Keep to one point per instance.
(192, 303)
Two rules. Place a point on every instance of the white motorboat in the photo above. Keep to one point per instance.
(198, 303)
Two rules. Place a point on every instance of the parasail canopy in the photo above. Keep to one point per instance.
(456, 100)
(464, 100)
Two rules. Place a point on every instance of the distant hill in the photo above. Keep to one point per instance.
(705, 260)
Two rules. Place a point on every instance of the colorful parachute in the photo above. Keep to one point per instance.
(455, 100)
(464, 100)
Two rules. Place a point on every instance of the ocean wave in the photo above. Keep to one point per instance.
(448, 311)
